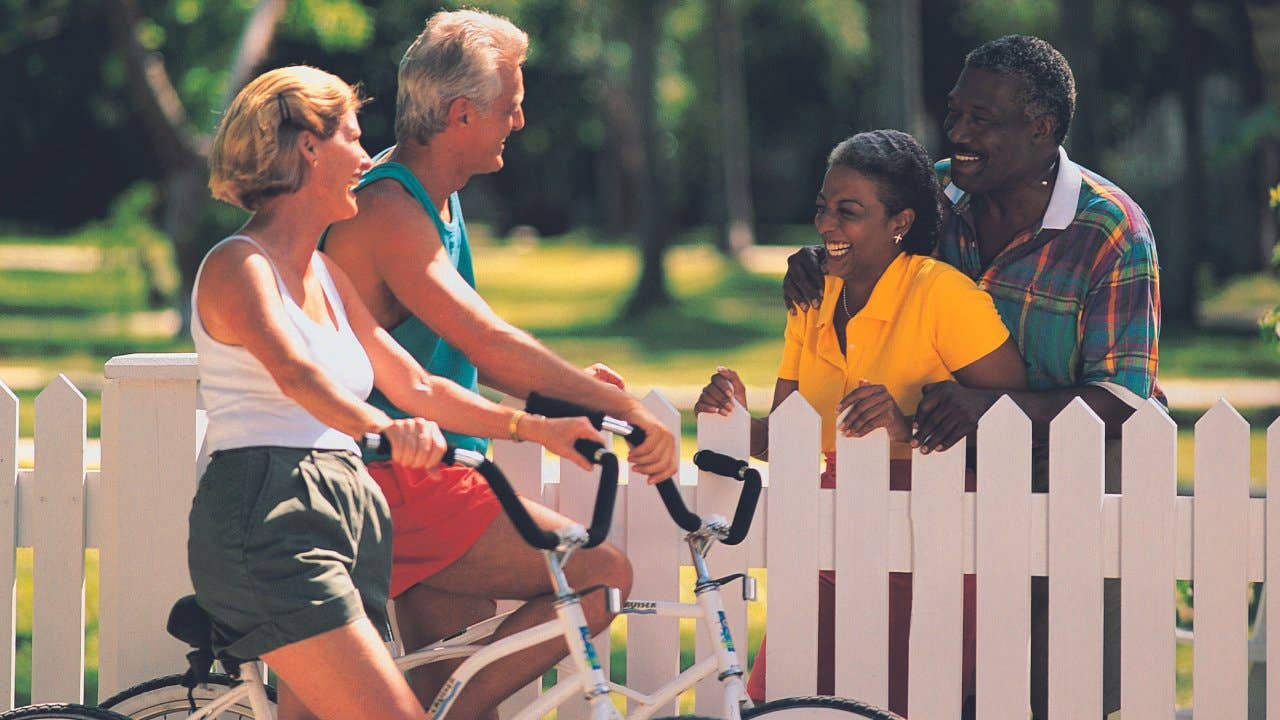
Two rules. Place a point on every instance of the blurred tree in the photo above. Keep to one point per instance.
(1265, 16)
(1079, 43)
(1259, 22)
(181, 147)
(178, 95)
(738, 231)
(641, 23)
(899, 68)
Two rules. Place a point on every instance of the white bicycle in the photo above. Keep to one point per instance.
(241, 693)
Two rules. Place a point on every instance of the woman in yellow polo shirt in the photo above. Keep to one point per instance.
(892, 320)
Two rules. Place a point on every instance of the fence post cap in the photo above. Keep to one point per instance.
(153, 366)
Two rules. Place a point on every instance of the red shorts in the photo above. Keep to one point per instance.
(437, 514)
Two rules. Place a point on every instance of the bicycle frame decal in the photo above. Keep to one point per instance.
(641, 607)
(725, 638)
(445, 698)
(589, 649)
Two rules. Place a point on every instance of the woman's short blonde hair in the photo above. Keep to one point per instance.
(457, 55)
(253, 157)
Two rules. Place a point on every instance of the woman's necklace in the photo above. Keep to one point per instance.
(844, 300)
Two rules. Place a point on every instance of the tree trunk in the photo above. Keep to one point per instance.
(1080, 46)
(738, 232)
(651, 291)
(1179, 305)
(900, 69)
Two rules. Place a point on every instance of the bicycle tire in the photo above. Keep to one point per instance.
(818, 707)
(164, 698)
(61, 711)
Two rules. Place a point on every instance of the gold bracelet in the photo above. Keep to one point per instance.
(513, 427)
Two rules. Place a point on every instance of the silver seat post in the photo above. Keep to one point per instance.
(556, 560)
(699, 545)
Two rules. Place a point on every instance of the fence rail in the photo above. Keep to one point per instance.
(134, 510)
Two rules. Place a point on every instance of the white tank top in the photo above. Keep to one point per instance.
(244, 404)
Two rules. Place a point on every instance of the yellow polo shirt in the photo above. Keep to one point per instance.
(924, 320)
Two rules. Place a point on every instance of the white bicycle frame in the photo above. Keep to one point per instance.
(581, 673)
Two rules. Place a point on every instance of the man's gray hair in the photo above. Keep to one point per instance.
(457, 55)
(1049, 87)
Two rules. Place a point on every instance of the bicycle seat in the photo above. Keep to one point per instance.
(189, 623)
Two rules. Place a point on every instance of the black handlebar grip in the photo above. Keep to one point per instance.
(606, 496)
(688, 521)
(589, 449)
(540, 404)
(746, 509)
(606, 493)
(732, 467)
(720, 464)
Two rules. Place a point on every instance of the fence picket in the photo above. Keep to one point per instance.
(57, 642)
(1219, 565)
(1271, 607)
(1075, 563)
(730, 435)
(1150, 486)
(862, 567)
(794, 432)
(522, 464)
(1003, 562)
(147, 480)
(8, 541)
(937, 597)
(652, 542)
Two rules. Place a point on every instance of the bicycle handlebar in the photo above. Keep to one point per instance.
(601, 515)
(733, 468)
(540, 404)
(667, 490)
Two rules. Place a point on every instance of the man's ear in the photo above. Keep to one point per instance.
(460, 111)
(1044, 129)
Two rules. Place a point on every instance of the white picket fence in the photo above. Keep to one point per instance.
(134, 510)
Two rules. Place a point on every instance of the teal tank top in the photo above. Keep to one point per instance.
(429, 349)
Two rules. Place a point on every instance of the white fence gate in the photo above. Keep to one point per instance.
(134, 510)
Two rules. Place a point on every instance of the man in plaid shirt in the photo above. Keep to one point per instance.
(1070, 261)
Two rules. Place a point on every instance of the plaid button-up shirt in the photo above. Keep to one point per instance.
(1080, 293)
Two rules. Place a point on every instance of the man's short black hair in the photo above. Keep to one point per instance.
(1049, 87)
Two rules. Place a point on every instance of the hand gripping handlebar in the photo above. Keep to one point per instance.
(733, 468)
(601, 515)
(667, 490)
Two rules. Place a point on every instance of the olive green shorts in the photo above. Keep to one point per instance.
(288, 543)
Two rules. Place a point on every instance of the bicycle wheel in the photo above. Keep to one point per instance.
(818, 707)
(166, 699)
(61, 711)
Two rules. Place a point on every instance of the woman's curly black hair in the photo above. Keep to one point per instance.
(904, 177)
